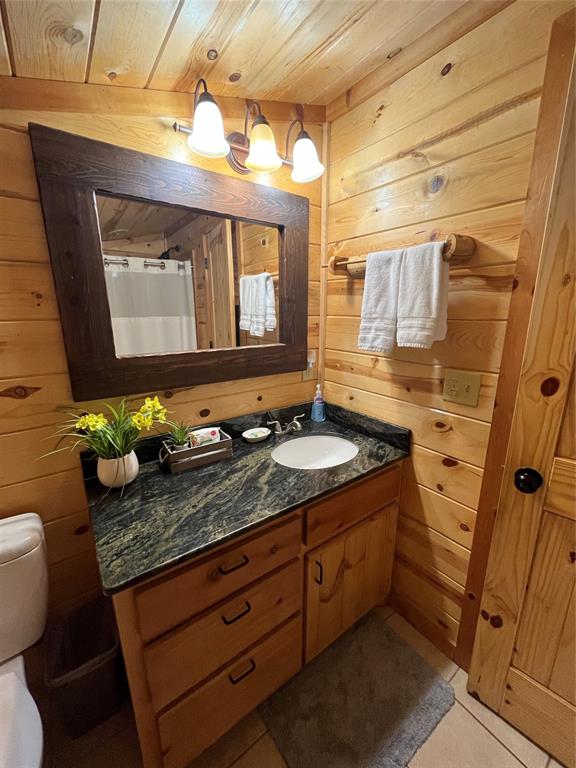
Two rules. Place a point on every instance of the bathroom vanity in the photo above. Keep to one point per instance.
(226, 580)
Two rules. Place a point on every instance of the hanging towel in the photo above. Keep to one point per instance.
(380, 301)
(257, 304)
(423, 296)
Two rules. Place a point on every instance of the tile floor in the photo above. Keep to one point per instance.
(469, 736)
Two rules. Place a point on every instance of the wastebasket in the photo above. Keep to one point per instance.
(84, 666)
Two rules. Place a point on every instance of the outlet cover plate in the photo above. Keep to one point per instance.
(461, 387)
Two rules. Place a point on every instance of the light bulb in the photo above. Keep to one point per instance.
(263, 156)
(306, 165)
(207, 137)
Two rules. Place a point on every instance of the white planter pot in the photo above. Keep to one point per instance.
(115, 473)
(183, 447)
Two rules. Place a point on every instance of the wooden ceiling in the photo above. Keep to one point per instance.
(304, 51)
(121, 219)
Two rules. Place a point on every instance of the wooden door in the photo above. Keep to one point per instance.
(204, 330)
(220, 266)
(524, 655)
(348, 576)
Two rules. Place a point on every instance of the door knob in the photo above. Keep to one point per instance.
(527, 479)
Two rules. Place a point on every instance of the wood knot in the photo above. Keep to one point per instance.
(572, 557)
(168, 394)
(205, 412)
(234, 77)
(549, 386)
(72, 35)
(259, 398)
(440, 486)
(19, 392)
(81, 530)
(212, 54)
(393, 53)
(496, 621)
(470, 595)
(515, 283)
(274, 548)
(449, 462)
(485, 615)
(436, 183)
(446, 68)
(566, 278)
(464, 527)
(111, 75)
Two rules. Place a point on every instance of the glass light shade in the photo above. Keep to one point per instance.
(307, 166)
(207, 137)
(263, 156)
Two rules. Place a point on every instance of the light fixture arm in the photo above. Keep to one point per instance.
(250, 107)
(200, 83)
(292, 124)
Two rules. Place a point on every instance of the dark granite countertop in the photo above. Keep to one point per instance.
(160, 520)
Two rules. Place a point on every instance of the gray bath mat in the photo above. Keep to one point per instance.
(368, 701)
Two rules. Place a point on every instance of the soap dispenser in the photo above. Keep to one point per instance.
(318, 406)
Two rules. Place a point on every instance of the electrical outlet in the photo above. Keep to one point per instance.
(309, 373)
(461, 387)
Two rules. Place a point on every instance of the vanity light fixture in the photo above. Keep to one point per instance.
(255, 153)
(207, 136)
(306, 165)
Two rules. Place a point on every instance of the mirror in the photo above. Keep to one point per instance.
(168, 275)
(180, 280)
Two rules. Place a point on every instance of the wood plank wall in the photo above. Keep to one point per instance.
(33, 373)
(444, 148)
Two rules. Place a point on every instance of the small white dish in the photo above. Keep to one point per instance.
(256, 434)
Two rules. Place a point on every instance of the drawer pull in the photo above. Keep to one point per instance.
(320, 578)
(243, 612)
(244, 561)
(249, 671)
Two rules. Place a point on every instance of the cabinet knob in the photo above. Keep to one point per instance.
(527, 479)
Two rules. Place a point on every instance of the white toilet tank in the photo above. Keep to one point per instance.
(23, 583)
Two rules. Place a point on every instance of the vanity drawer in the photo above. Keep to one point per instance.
(185, 657)
(350, 505)
(197, 721)
(189, 591)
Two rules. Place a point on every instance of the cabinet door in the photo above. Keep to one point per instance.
(348, 576)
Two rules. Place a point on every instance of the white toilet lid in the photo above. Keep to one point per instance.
(20, 725)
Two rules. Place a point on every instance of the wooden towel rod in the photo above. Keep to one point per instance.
(457, 249)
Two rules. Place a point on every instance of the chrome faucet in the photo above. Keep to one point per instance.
(293, 426)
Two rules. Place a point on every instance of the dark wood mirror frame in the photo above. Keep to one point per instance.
(70, 170)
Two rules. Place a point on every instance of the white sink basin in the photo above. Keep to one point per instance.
(314, 452)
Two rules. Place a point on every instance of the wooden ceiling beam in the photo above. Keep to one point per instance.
(463, 20)
(55, 96)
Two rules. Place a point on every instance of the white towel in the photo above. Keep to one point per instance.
(423, 296)
(380, 301)
(257, 304)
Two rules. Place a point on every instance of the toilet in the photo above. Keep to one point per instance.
(23, 605)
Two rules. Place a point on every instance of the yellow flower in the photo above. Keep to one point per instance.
(92, 421)
(142, 420)
(82, 423)
(154, 409)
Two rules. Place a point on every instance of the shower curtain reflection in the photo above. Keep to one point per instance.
(151, 305)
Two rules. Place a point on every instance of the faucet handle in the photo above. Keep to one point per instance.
(277, 426)
(296, 422)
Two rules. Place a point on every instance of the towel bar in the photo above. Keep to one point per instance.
(457, 249)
